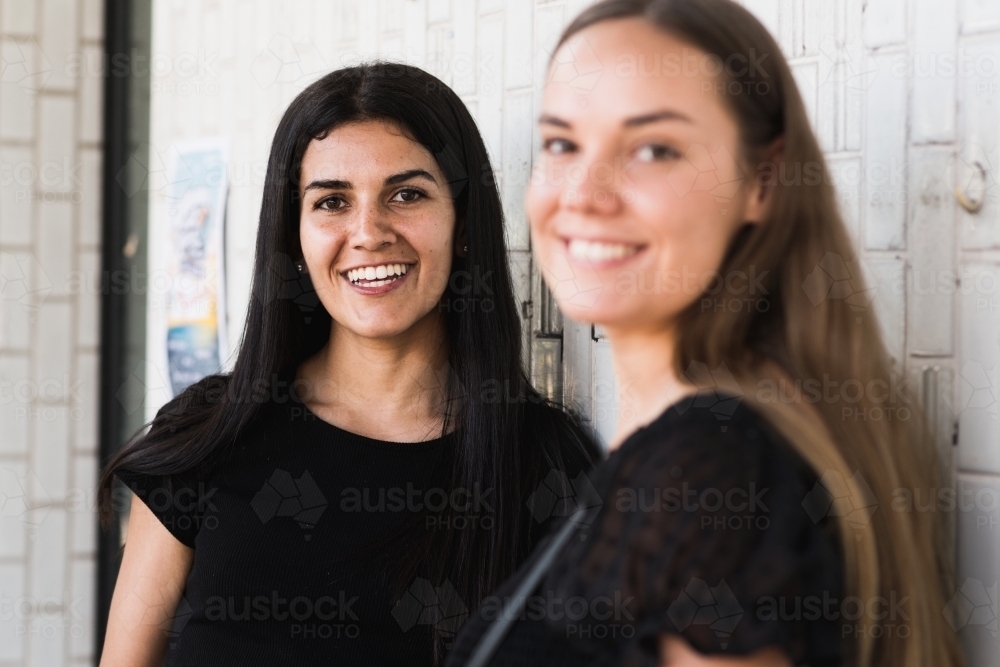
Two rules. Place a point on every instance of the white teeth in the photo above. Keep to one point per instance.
(597, 251)
(377, 275)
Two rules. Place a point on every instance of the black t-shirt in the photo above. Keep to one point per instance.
(706, 525)
(299, 541)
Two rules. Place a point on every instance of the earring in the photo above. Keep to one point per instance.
(298, 265)
(465, 248)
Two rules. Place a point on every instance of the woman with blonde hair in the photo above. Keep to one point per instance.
(682, 202)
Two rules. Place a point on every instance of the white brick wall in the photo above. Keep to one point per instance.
(50, 157)
(903, 95)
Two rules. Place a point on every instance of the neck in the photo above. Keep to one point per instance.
(647, 381)
(386, 388)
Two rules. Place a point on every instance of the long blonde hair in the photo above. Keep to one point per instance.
(812, 324)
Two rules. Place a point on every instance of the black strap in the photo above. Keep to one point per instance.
(491, 639)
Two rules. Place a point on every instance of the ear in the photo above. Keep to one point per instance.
(765, 175)
(460, 241)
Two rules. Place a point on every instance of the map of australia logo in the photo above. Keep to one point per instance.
(299, 498)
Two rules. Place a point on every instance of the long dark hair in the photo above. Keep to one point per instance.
(507, 436)
(812, 332)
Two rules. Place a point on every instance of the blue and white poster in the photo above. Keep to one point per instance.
(195, 301)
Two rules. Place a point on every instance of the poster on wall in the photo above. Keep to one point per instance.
(195, 323)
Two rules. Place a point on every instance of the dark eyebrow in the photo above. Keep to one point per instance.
(328, 185)
(666, 114)
(392, 180)
(407, 175)
(545, 119)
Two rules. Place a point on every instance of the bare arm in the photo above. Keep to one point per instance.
(149, 587)
(675, 652)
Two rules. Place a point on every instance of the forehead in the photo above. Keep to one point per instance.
(365, 147)
(623, 67)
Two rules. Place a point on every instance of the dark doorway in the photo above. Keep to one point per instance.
(124, 263)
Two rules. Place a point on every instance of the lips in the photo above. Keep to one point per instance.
(376, 275)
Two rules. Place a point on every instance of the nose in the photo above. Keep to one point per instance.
(372, 229)
(593, 185)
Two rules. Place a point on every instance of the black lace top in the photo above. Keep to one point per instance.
(706, 524)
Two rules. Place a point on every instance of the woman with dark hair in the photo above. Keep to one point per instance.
(749, 512)
(359, 481)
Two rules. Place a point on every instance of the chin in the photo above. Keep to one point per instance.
(603, 312)
(377, 329)
(608, 313)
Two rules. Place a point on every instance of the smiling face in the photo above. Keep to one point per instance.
(638, 189)
(376, 226)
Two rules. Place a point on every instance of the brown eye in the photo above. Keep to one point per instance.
(557, 146)
(333, 203)
(656, 153)
(409, 195)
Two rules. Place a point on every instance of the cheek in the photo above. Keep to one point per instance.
(434, 233)
(319, 244)
(689, 233)
(541, 200)
(431, 236)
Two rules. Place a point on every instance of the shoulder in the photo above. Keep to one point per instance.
(556, 454)
(175, 444)
(557, 436)
(713, 438)
(708, 501)
(206, 392)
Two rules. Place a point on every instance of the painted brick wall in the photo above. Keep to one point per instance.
(50, 156)
(904, 98)
(903, 95)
